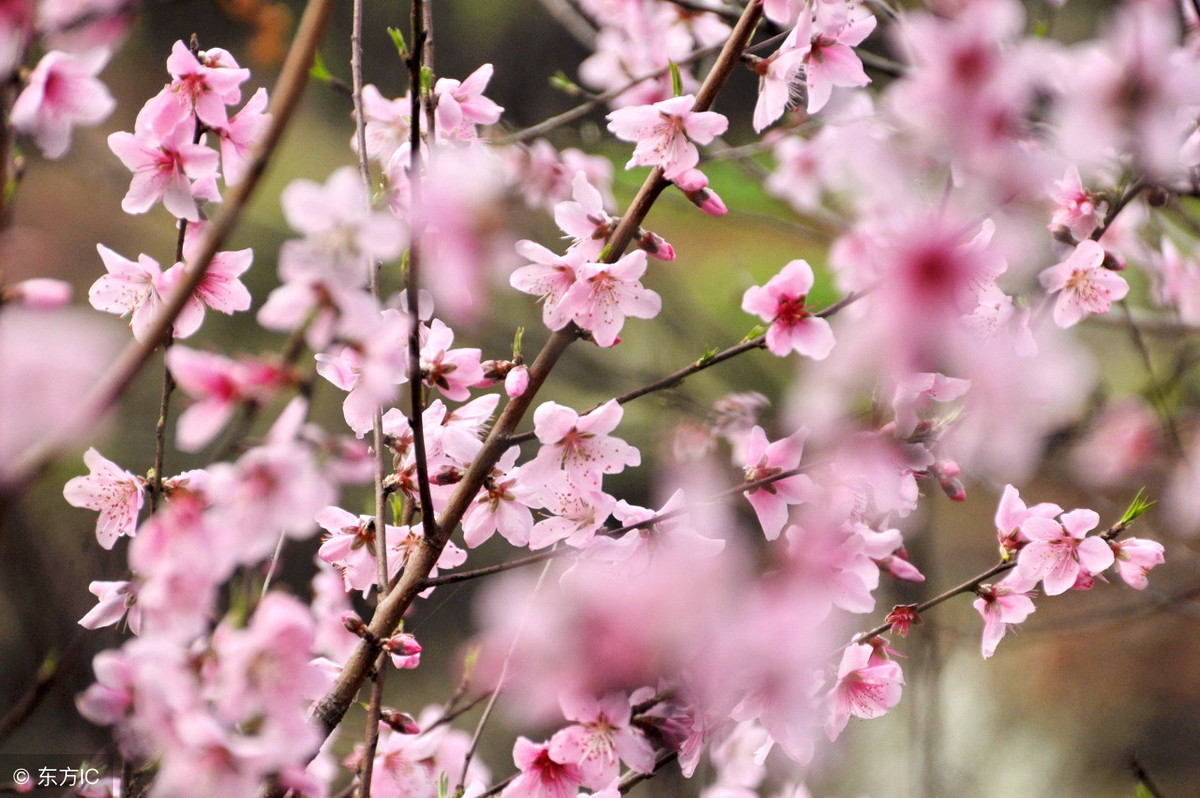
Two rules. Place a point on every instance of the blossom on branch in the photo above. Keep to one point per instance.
(867, 687)
(1083, 284)
(61, 92)
(782, 303)
(664, 132)
(115, 492)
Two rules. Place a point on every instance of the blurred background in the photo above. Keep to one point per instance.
(1090, 684)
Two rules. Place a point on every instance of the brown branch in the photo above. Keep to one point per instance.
(333, 706)
(584, 108)
(110, 388)
(676, 378)
(969, 586)
(463, 576)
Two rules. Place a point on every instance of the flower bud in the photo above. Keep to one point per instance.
(39, 293)
(401, 722)
(516, 382)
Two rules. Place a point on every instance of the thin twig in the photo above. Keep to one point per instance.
(429, 524)
(968, 586)
(495, 694)
(584, 108)
(572, 21)
(658, 518)
(1143, 778)
(633, 778)
(676, 378)
(375, 704)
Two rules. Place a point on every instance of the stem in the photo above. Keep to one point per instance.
(633, 778)
(160, 433)
(413, 278)
(333, 706)
(676, 378)
(463, 576)
(375, 706)
(495, 694)
(672, 380)
(120, 376)
(374, 709)
(584, 108)
(969, 587)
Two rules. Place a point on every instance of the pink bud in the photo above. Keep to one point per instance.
(709, 202)
(353, 623)
(401, 722)
(39, 293)
(655, 245)
(516, 382)
(403, 643)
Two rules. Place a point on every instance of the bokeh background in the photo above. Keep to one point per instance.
(1091, 683)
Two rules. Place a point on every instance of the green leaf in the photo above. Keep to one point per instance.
(560, 81)
(319, 71)
(520, 333)
(708, 355)
(755, 333)
(398, 40)
(1139, 505)
(676, 80)
(426, 79)
(470, 660)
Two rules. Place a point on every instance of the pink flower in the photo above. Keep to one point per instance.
(867, 687)
(829, 58)
(776, 77)
(1002, 605)
(62, 91)
(497, 508)
(342, 234)
(205, 85)
(116, 493)
(1057, 553)
(115, 599)
(770, 502)
(541, 775)
(782, 303)
(577, 510)
(461, 105)
(240, 134)
(516, 381)
(601, 739)
(664, 132)
(220, 385)
(584, 219)
(451, 371)
(129, 288)
(1085, 286)
(387, 124)
(220, 288)
(163, 162)
(350, 547)
(579, 445)
(1011, 515)
(1075, 209)
(549, 278)
(604, 294)
(1134, 559)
